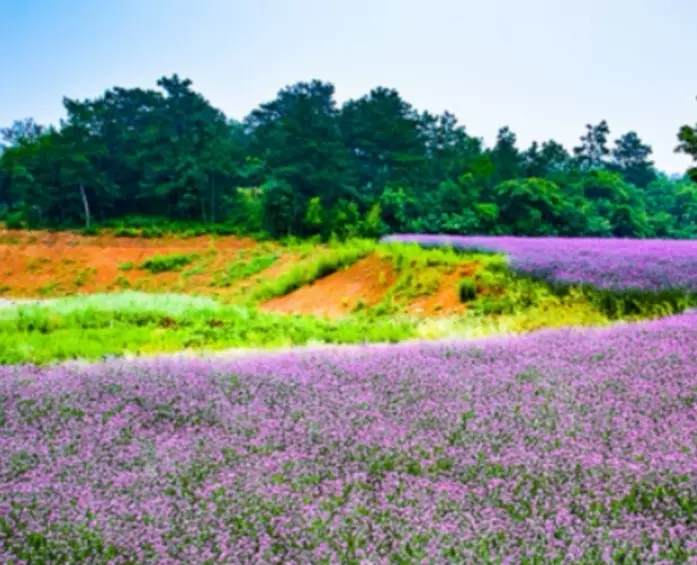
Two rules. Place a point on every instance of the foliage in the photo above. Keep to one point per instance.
(164, 263)
(302, 165)
(467, 290)
(246, 267)
(687, 136)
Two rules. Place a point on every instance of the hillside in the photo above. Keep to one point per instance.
(112, 295)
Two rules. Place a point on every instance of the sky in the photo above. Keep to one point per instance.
(545, 68)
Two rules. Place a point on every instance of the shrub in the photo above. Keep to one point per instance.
(153, 232)
(91, 230)
(467, 290)
(14, 221)
(164, 263)
(123, 231)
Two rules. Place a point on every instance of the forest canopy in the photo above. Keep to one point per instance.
(302, 165)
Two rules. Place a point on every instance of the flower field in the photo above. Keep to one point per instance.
(616, 264)
(556, 447)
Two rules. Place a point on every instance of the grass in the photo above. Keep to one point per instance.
(136, 323)
(83, 276)
(245, 267)
(35, 265)
(165, 263)
(49, 288)
(421, 271)
(133, 323)
(153, 227)
(324, 263)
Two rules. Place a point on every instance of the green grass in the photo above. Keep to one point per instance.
(245, 267)
(135, 323)
(421, 271)
(165, 263)
(153, 227)
(130, 305)
(322, 263)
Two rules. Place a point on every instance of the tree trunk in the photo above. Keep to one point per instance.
(212, 198)
(86, 205)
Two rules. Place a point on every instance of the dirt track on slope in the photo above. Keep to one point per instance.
(365, 282)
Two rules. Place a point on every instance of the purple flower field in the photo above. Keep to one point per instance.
(556, 447)
(604, 263)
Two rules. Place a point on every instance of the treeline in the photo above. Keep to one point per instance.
(302, 165)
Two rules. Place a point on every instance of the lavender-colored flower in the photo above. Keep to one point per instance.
(555, 447)
(604, 263)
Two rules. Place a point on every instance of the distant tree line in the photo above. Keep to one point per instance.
(301, 165)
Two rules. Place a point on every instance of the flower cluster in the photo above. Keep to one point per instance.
(604, 263)
(560, 446)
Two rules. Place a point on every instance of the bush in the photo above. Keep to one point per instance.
(467, 290)
(164, 263)
(153, 232)
(14, 221)
(123, 231)
(91, 230)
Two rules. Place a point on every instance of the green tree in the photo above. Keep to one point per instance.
(280, 207)
(22, 132)
(383, 134)
(450, 151)
(397, 206)
(687, 137)
(593, 151)
(551, 160)
(298, 139)
(630, 157)
(300, 165)
(505, 156)
(529, 206)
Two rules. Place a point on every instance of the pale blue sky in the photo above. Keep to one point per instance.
(543, 67)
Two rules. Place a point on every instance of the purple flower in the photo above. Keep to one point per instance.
(604, 263)
(556, 446)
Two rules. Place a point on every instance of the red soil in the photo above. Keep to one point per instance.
(36, 264)
(44, 263)
(339, 293)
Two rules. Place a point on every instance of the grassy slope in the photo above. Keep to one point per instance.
(138, 323)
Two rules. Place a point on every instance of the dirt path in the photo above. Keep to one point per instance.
(365, 282)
